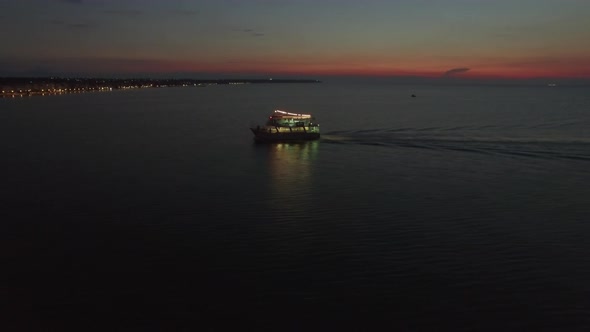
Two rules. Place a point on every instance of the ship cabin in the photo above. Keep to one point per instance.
(281, 121)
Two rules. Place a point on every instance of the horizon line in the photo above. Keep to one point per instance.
(538, 81)
(290, 76)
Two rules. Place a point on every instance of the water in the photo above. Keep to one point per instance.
(463, 208)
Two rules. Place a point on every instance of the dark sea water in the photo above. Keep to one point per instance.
(465, 208)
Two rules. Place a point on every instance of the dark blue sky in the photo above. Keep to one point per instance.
(468, 38)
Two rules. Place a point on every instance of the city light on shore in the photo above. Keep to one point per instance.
(19, 87)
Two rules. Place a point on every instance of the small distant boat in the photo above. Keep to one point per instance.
(283, 126)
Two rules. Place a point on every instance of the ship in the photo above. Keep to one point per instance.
(284, 126)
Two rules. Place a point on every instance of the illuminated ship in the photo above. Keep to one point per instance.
(287, 127)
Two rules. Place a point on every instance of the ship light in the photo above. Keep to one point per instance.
(293, 114)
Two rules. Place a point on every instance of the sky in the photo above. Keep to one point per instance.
(494, 39)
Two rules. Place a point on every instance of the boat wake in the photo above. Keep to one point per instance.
(458, 139)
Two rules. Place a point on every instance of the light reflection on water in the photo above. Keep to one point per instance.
(291, 182)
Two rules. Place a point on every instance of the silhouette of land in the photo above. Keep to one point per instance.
(28, 86)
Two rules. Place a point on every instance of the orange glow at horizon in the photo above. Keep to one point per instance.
(427, 70)
(330, 65)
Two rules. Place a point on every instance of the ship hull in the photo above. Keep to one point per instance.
(266, 137)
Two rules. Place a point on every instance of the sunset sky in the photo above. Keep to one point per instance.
(316, 38)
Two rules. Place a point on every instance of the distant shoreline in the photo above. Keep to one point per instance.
(43, 86)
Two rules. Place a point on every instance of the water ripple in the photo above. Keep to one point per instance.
(431, 138)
